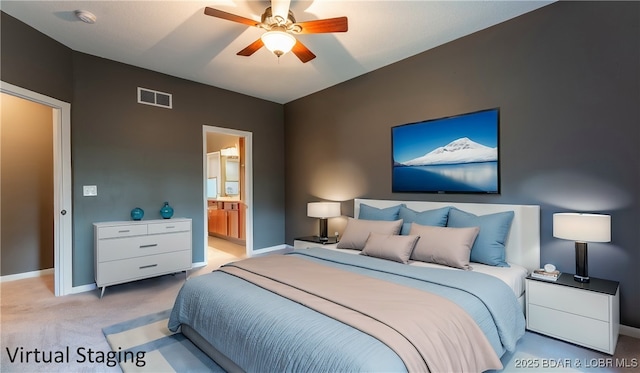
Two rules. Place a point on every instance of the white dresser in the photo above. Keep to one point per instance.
(587, 314)
(132, 250)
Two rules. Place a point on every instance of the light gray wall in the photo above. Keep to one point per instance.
(567, 82)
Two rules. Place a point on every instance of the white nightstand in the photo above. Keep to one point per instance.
(587, 314)
(314, 241)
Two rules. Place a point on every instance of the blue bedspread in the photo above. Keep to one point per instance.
(261, 331)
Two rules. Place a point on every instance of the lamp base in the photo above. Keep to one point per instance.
(323, 236)
(582, 265)
(581, 278)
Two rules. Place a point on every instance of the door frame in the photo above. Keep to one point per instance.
(248, 180)
(62, 187)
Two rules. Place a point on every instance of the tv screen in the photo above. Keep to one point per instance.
(458, 154)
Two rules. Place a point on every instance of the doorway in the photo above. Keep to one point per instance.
(228, 186)
(62, 211)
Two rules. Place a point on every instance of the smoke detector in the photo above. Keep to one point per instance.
(86, 16)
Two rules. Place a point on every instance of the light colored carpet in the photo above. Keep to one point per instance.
(146, 345)
(33, 318)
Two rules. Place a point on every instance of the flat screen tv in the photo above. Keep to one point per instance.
(457, 154)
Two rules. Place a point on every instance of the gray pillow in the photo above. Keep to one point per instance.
(357, 231)
(442, 245)
(390, 247)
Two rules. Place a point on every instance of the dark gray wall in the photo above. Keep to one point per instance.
(34, 61)
(567, 82)
(139, 155)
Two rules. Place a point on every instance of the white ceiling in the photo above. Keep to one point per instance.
(176, 38)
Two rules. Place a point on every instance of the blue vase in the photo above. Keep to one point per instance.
(137, 213)
(166, 211)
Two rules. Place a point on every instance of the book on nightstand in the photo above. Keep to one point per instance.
(544, 275)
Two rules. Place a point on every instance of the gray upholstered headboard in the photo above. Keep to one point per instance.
(523, 243)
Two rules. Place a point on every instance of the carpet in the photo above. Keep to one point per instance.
(146, 344)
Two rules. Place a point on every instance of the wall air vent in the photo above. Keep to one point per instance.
(150, 97)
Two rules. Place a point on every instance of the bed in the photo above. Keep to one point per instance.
(322, 309)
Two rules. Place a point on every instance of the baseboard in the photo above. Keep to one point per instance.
(630, 331)
(22, 276)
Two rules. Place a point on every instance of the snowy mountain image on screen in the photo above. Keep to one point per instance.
(462, 150)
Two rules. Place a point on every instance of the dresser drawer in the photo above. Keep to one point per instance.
(137, 268)
(132, 247)
(115, 231)
(578, 302)
(169, 226)
(573, 328)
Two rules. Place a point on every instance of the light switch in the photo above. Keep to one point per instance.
(89, 190)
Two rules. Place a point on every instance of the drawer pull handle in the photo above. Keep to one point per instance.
(124, 231)
(171, 226)
(149, 266)
(149, 245)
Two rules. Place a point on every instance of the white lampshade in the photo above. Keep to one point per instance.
(323, 210)
(278, 42)
(582, 227)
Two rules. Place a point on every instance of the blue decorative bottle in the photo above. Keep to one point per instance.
(137, 213)
(166, 211)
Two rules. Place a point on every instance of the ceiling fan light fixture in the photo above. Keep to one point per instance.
(278, 42)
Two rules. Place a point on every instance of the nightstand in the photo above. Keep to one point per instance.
(313, 241)
(587, 314)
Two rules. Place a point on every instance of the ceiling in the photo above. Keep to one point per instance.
(176, 38)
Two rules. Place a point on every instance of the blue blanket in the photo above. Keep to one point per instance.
(261, 331)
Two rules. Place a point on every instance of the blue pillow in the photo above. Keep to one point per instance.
(436, 218)
(494, 228)
(372, 213)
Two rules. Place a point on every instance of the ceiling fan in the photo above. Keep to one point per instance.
(281, 26)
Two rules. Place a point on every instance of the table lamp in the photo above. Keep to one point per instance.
(322, 211)
(582, 228)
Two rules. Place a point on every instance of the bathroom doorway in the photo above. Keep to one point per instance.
(228, 188)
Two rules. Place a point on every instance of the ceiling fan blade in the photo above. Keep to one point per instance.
(230, 17)
(302, 52)
(251, 49)
(339, 24)
(280, 8)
